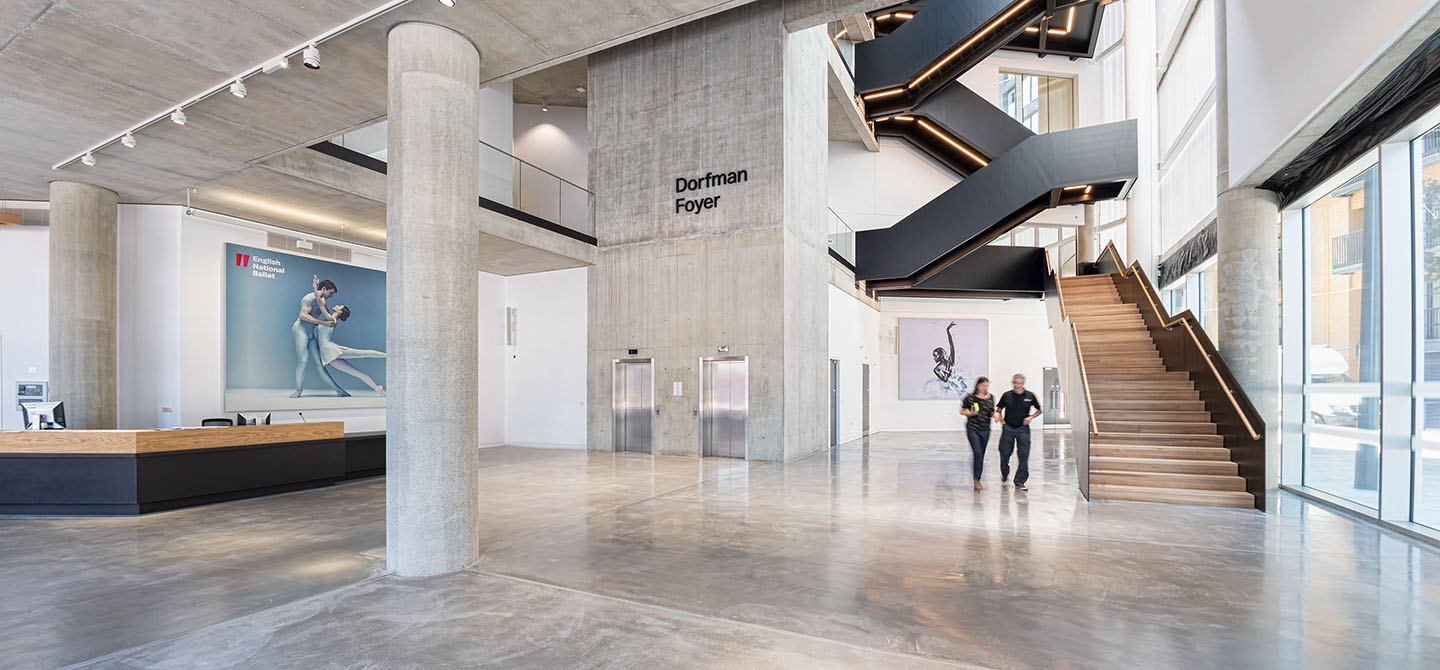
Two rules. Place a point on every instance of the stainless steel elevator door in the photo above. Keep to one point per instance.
(865, 399)
(634, 410)
(724, 406)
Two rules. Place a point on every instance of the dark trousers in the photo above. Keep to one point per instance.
(1010, 438)
(977, 438)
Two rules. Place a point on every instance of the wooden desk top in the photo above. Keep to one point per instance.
(151, 441)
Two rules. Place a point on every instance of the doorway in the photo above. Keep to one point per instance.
(634, 404)
(724, 406)
(865, 399)
(834, 402)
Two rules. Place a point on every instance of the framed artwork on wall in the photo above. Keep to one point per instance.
(940, 358)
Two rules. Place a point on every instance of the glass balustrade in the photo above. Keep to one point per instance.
(514, 183)
(842, 238)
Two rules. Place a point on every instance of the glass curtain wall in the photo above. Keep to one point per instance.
(1342, 431)
(1426, 447)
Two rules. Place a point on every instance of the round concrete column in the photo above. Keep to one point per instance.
(1085, 251)
(82, 303)
(1248, 285)
(432, 442)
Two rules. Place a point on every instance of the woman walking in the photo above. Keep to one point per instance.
(979, 409)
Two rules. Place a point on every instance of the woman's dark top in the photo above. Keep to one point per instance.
(980, 421)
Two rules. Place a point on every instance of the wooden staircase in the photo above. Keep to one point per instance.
(1153, 440)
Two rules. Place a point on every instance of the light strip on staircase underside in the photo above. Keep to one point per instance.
(882, 94)
(957, 50)
(1069, 25)
(936, 132)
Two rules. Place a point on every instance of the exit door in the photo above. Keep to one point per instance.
(1054, 399)
(634, 404)
(724, 406)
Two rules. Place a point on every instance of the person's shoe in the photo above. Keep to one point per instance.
(1004, 478)
(295, 394)
(979, 486)
(1021, 487)
(343, 394)
(380, 390)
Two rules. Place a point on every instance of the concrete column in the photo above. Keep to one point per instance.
(1085, 251)
(432, 457)
(1248, 264)
(82, 303)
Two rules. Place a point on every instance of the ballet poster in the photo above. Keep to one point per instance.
(301, 333)
(940, 358)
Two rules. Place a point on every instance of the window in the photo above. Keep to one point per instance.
(1426, 494)
(1042, 103)
(1342, 419)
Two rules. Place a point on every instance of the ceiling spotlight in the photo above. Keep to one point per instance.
(128, 140)
(544, 108)
(237, 89)
(88, 159)
(178, 116)
(276, 65)
(311, 56)
(448, 3)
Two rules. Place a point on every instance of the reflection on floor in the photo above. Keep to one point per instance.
(878, 555)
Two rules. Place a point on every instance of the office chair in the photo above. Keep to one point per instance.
(207, 423)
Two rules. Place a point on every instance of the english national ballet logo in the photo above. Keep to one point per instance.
(260, 266)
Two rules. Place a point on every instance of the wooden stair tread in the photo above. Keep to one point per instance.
(1175, 465)
(1111, 437)
(1168, 480)
(1163, 452)
(1237, 499)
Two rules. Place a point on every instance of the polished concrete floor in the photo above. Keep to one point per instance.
(878, 555)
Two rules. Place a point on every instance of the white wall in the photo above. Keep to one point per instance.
(854, 338)
(1287, 57)
(1020, 341)
(545, 371)
(555, 141)
(148, 315)
(876, 189)
(984, 79)
(24, 314)
(491, 315)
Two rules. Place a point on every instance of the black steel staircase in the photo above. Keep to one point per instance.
(906, 80)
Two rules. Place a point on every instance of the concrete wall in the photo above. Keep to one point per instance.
(749, 273)
(1287, 57)
(24, 315)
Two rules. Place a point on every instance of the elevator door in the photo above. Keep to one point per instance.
(724, 406)
(634, 405)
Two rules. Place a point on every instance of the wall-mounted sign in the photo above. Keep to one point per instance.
(709, 180)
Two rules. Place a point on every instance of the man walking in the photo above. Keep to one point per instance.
(1016, 407)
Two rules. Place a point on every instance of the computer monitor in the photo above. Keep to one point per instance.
(43, 415)
(252, 418)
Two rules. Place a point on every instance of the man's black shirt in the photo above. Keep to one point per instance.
(1014, 408)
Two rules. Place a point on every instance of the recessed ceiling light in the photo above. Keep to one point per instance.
(579, 89)
(88, 159)
(237, 89)
(178, 116)
(448, 3)
(128, 139)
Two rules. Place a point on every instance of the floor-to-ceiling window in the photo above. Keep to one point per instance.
(1426, 192)
(1342, 422)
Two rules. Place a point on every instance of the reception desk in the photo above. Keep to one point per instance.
(139, 471)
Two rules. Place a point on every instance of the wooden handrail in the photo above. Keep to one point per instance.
(1135, 270)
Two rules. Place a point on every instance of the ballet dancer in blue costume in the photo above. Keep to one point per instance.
(334, 355)
(312, 315)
